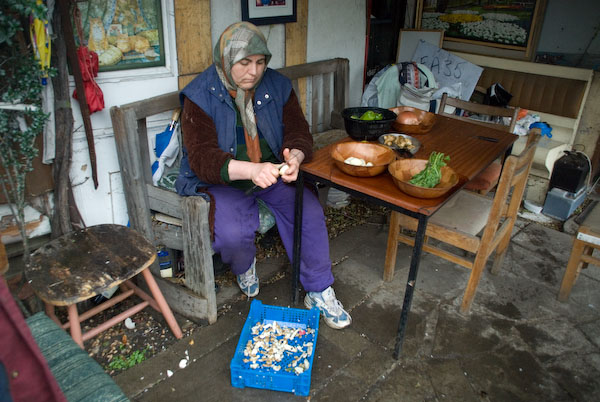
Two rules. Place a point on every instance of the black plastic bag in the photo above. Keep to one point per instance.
(497, 96)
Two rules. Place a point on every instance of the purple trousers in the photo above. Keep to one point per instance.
(236, 222)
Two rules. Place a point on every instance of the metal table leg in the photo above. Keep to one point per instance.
(297, 237)
(411, 283)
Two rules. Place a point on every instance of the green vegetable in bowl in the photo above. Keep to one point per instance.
(432, 174)
(368, 115)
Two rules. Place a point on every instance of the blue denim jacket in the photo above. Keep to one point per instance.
(208, 92)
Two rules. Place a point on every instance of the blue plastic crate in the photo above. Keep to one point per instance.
(266, 378)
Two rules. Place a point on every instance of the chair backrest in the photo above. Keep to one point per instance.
(509, 192)
(480, 109)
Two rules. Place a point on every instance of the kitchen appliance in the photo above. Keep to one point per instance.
(567, 188)
(570, 172)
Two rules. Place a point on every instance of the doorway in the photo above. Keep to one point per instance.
(386, 18)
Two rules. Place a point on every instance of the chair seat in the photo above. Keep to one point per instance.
(451, 215)
(82, 264)
(487, 179)
(65, 270)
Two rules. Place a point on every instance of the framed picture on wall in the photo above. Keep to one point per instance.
(267, 12)
(126, 34)
(507, 24)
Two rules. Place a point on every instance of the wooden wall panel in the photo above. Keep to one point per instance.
(194, 48)
(295, 45)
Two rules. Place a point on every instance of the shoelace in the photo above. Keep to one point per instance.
(333, 304)
(248, 278)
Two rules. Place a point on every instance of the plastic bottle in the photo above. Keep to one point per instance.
(165, 262)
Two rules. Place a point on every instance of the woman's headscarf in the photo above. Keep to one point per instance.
(238, 41)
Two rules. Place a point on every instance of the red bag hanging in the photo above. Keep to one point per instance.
(88, 64)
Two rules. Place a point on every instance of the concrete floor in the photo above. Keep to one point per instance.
(518, 343)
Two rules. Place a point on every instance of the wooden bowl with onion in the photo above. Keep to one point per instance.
(378, 155)
(411, 120)
(403, 170)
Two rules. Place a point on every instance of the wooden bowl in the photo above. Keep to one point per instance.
(403, 170)
(426, 120)
(379, 155)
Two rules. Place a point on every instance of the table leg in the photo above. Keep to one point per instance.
(50, 313)
(162, 303)
(411, 283)
(297, 237)
(75, 326)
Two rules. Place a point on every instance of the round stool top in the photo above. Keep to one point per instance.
(84, 263)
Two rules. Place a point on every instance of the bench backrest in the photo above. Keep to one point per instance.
(322, 87)
(551, 89)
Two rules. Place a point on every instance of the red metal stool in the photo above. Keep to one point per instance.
(82, 264)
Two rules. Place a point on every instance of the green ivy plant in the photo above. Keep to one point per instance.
(21, 116)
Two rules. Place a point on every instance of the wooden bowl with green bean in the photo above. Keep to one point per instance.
(402, 170)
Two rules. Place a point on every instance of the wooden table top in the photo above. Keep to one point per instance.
(84, 263)
(469, 156)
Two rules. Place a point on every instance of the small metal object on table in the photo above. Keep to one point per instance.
(469, 156)
(84, 263)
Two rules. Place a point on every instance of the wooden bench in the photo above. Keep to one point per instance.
(323, 89)
(558, 94)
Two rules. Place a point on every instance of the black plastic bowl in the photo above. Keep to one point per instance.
(367, 130)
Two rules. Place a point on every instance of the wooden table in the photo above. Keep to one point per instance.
(471, 148)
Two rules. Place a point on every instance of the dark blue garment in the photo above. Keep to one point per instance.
(208, 92)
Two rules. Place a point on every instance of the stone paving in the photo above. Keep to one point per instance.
(518, 343)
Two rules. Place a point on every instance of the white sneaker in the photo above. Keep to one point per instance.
(332, 310)
(248, 281)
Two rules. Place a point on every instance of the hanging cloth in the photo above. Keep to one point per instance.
(88, 64)
(40, 39)
(38, 31)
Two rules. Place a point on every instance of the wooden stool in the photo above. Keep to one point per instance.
(587, 239)
(85, 263)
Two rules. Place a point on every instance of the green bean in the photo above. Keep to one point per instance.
(431, 175)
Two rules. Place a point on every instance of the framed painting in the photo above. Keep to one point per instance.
(126, 34)
(266, 12)
(510, 25)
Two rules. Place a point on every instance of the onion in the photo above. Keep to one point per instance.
(408, 117)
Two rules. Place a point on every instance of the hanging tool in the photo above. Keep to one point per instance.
(65, 17)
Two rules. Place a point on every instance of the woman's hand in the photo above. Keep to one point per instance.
(264, 174)
(293, 158)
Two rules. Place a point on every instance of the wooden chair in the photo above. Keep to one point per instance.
(460, 223)
(584, 244)
(83, 264)
(487, 179)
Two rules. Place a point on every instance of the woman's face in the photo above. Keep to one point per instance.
(248, 71)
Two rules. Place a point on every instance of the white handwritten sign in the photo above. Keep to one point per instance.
(447, 68)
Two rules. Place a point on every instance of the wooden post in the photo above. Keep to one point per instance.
(194, 46)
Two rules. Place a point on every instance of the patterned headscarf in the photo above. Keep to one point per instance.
(238, 41)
